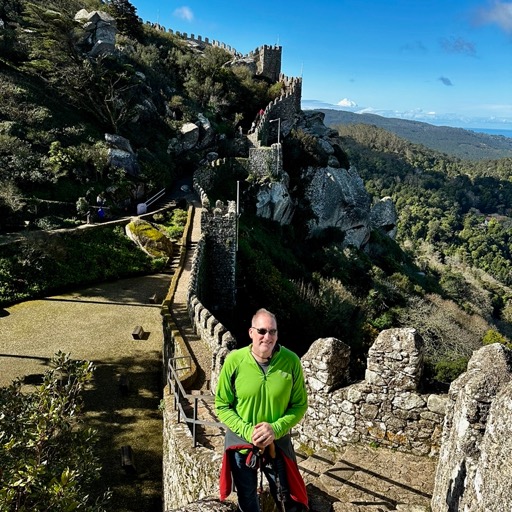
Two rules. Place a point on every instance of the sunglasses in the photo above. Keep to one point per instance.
(262, 332)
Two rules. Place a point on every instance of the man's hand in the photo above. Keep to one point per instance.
(262, 435)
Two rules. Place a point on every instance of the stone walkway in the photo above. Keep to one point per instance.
(358, 478)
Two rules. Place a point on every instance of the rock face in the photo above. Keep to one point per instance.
(475, 460)
(149, 238)
(101, 31)
(198, 135)
(335, 192)
(338, 199)
(121, 154)
(274, 203)
(383, 216)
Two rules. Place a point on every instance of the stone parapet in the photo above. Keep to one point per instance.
(189, 474)
(475, 461)
(384, 409)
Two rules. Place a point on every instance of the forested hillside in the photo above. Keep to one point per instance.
(58, 103)
(457, 142)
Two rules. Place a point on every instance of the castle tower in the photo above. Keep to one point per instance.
(219, 226)
(269, 62)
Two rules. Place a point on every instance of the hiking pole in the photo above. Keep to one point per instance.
(279, 487)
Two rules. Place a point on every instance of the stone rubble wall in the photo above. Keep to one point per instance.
(189, 474)
(385, 409)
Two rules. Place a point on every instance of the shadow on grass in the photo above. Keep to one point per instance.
(128, 415)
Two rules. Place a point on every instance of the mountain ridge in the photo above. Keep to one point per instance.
(458, 142)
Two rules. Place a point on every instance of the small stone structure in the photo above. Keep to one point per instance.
(475, 461)
(386, 408)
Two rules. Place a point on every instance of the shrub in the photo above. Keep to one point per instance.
(47, 457)
(448, 370)
(492, 336)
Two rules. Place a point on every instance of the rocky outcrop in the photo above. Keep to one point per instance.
(274, 202)
(198, 135)
(383, 216)
(475, 461)
(335, 193)
(149, 238)
(121, 154)
(328, 140)
(100, 30)
(339, 200)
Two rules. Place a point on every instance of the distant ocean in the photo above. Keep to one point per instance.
(489, 131)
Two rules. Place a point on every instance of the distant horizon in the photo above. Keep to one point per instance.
(491, 131)
(496, 126)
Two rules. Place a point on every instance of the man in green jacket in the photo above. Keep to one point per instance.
(260, 396)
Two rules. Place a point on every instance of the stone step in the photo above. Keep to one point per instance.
(364, 479)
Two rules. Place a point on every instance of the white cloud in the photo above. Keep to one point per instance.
(345, 102)
(184, 13)
(498, 13)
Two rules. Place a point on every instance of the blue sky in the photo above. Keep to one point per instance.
(443, 62)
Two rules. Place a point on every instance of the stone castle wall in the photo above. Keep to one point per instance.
(219, 226)
(286, 108)
(205, 324)
(266, 57)
(385, 409)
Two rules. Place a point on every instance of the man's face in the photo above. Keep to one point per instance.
(263, 344)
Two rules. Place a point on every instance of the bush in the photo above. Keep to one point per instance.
(493, 336)
(447, 371)
(47, 457)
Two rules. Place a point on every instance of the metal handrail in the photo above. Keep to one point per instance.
(180, 394)
(156, 197)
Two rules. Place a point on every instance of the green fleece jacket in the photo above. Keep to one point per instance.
(246, 396)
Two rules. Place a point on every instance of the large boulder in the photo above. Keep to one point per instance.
(149, 238)
(383, 216)
(339, 200)
(186, 139)
(475, 463)
(121, 154)
(274, 202)
(100, 30)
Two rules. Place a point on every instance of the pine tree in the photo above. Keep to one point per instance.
(125, 14)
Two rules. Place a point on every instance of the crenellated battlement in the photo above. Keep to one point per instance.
(286, 108)
(267, 57)
(196, 40)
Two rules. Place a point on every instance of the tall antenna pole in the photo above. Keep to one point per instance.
(237, 211)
